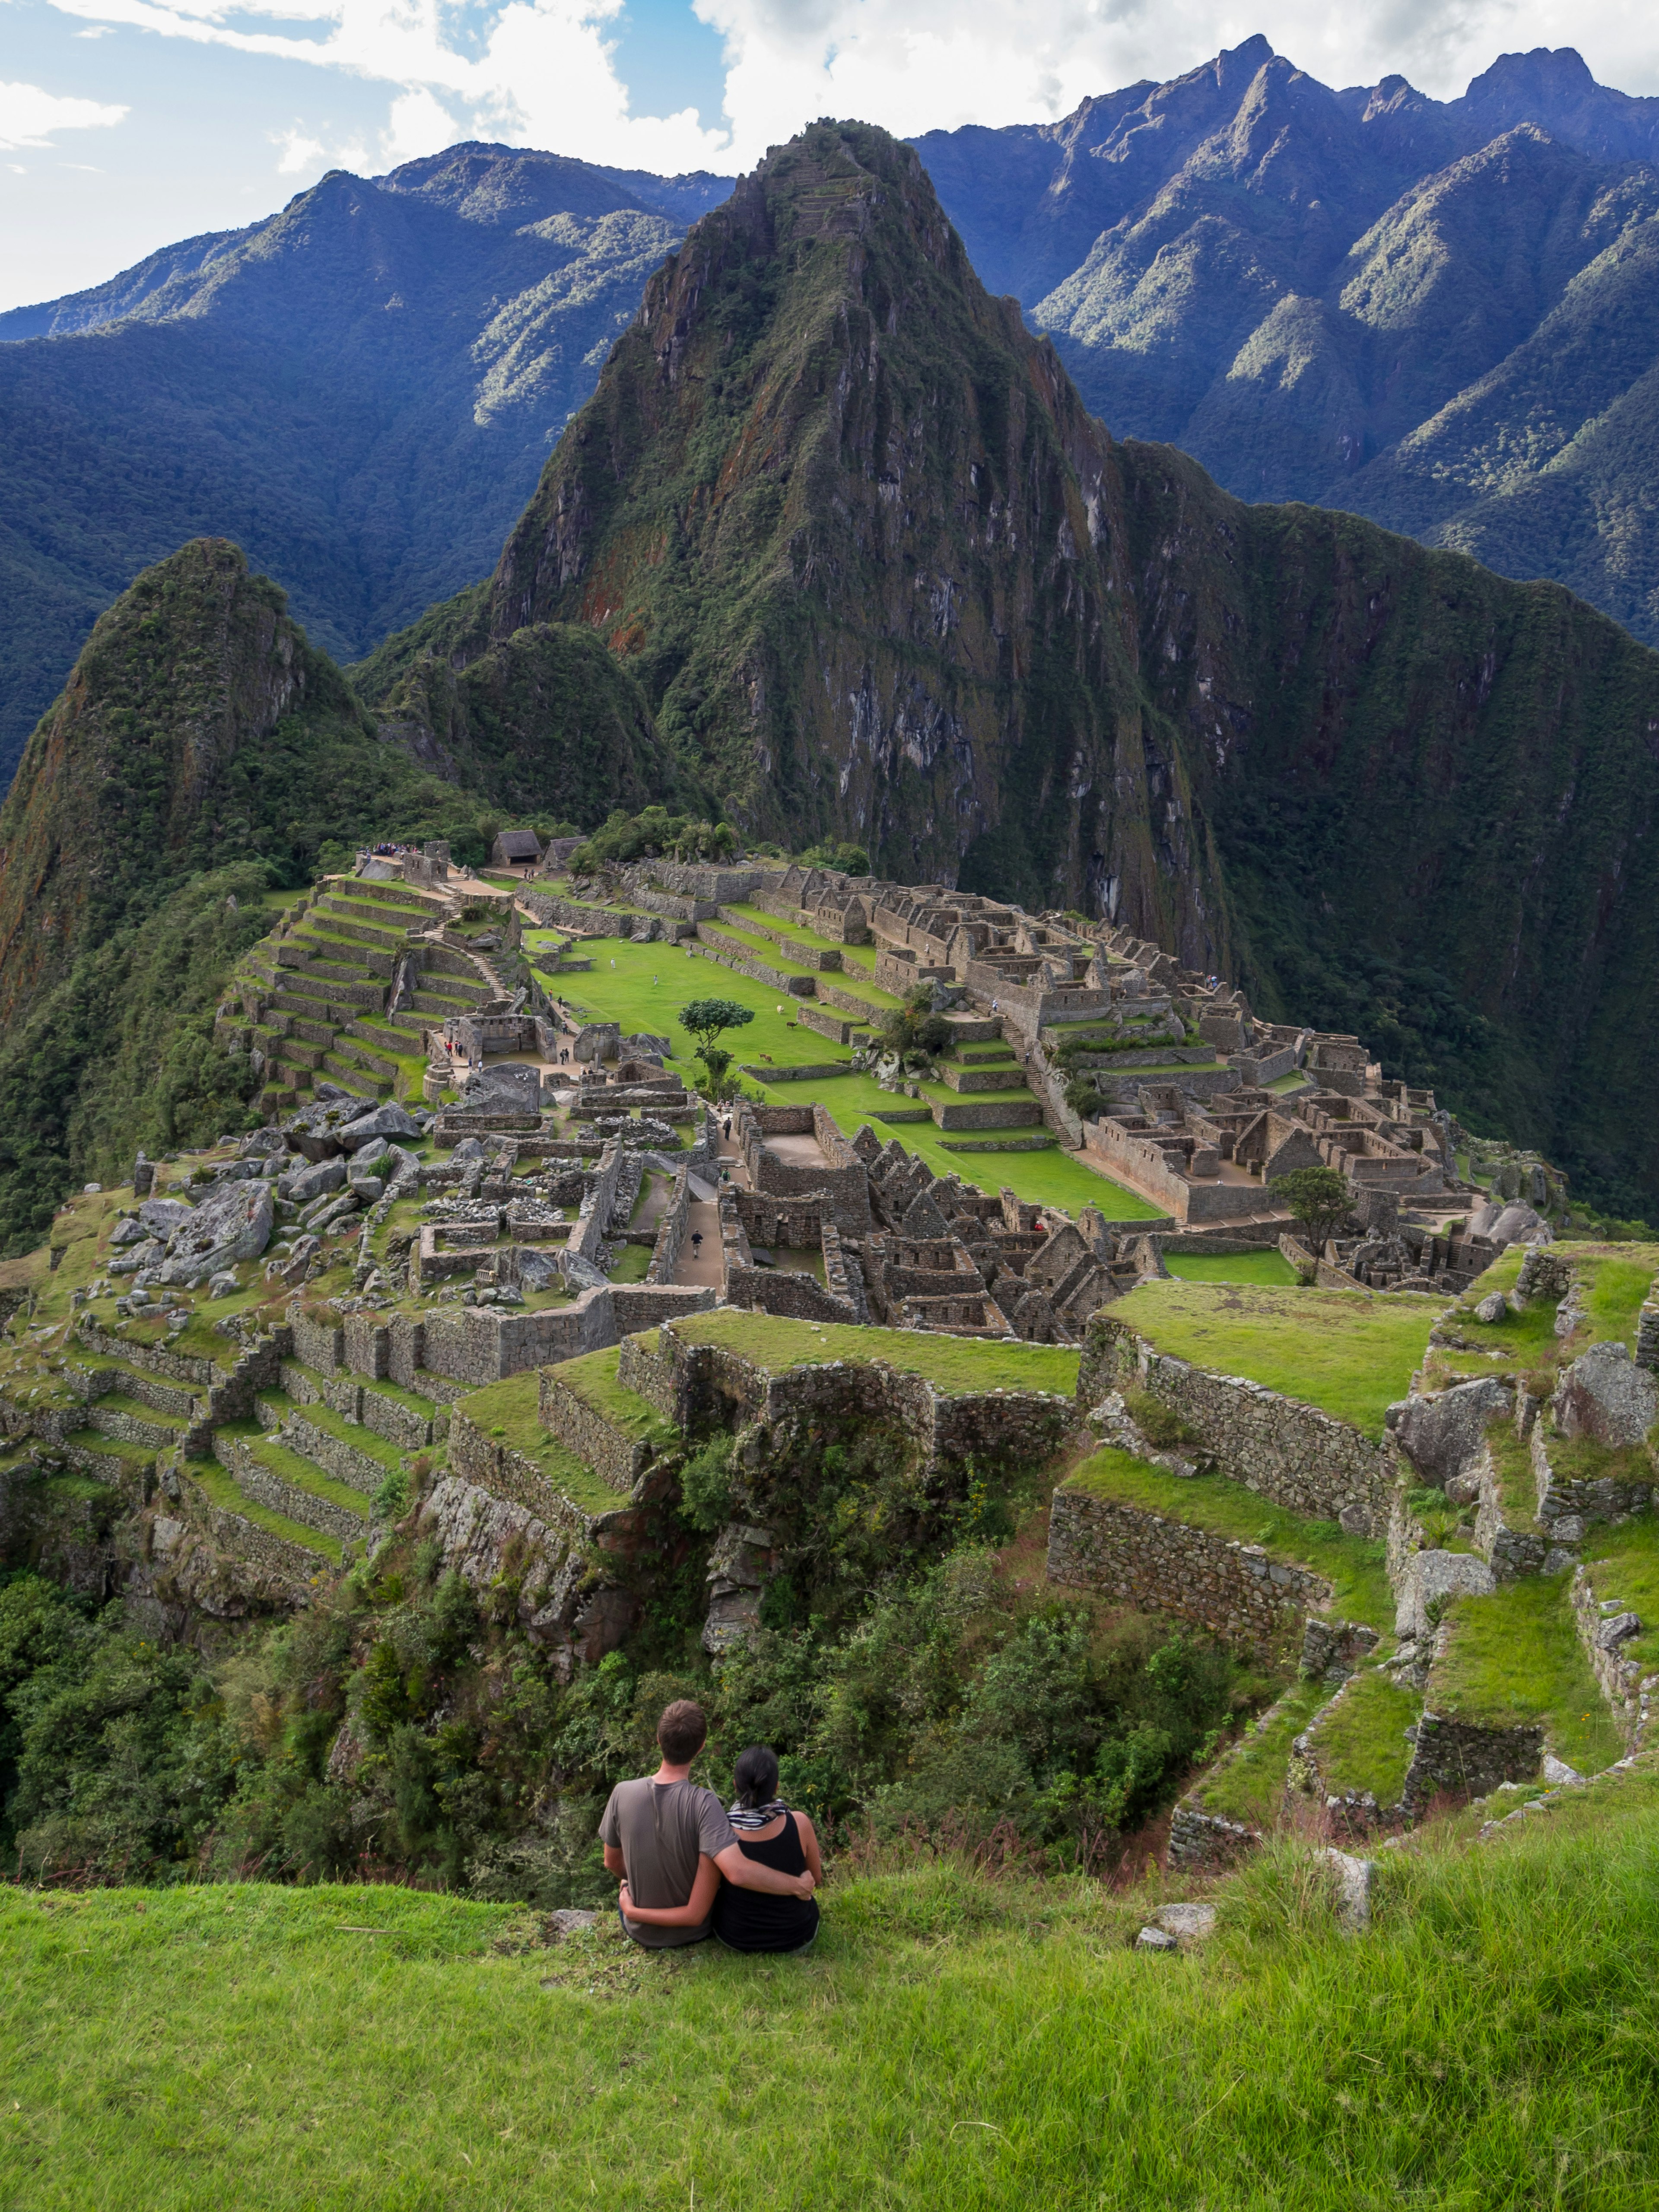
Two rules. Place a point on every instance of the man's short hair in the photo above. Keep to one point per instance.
(682, 1732)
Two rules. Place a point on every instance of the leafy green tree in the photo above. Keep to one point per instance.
(706, 1019)
(1319, 1199)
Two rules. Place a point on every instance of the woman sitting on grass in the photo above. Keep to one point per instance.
(757, 1920)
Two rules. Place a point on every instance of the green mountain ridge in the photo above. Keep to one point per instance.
(202, 753)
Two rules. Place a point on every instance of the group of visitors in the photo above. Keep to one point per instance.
(691, 1868)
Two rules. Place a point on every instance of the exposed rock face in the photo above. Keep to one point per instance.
(232, 1224)
(1426, 1576)
(1605, 1396)
(1440, 1434)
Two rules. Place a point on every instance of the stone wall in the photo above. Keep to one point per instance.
(494, 1467)
(713, 1385)
(670, 1230)
(268, 1489)
(1300, 1457)
(1234, 1590)
(1592, 1497)
(1627, 1686)
(1009, 1114)
(789, 1292)
(1467, 1759)
(294, 1573)
(616, 1457)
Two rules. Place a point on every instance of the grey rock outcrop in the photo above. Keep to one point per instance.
(388, 1119)
(1604, 1395)
(234, 1223)
(1426, 1576)
(313, 1180)
(1440, 1434)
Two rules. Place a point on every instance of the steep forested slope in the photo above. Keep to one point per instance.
(360, 391)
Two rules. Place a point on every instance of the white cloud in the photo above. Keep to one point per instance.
(28, 117)
(542, 72)
(298, 153)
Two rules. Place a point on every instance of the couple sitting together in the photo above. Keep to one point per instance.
(668, 1838)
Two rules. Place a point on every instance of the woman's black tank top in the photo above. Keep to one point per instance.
(753, 1920)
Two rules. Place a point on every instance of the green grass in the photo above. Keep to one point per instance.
(1514, 1658)
(1359, 1739)
(511, 1406)
(573, 1478)
(1517, 1486)
(950, 2041)
(425, 1408)
(632, 1264)
(134, 1456)
(1353, 1566)
(1270, 1267)
(221, 1490)
(593, 1379)
(955, 1365)
(116, 1402)
(1247, 1784)
(1351, 1352)
(1624, 1564)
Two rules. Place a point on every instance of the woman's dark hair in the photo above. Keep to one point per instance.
(756, 1777)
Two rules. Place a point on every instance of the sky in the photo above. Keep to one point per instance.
(125, 125)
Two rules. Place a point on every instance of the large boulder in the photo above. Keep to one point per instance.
(1440, 1434)
(1511, 1224)
(303, 1184)
(161, 1216)
(234, 1223)
(388, 1119)
(511, 1086)
(1604, 1395)
(1427, 1577)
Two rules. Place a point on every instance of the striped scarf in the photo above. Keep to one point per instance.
(745, 1818)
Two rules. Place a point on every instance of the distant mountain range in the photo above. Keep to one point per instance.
(361, 392)
(1442, 315)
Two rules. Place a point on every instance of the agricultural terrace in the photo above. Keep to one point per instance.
(955, 1365)
(649, 984)
(1351, 1353)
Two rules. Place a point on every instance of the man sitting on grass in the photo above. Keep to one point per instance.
(670, 1841)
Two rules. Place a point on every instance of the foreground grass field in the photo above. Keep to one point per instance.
(951, 2041)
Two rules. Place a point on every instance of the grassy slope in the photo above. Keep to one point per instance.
(1351, 1353)
(1514, 1658)
(949, 2041)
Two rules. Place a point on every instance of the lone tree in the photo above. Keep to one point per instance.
(706, 1019)
(1319, 1199)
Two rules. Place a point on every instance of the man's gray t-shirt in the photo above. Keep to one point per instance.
(662, 1828)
